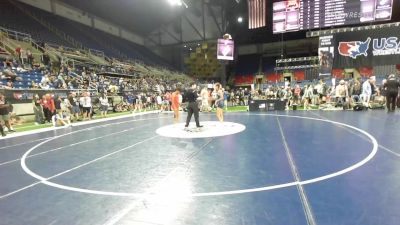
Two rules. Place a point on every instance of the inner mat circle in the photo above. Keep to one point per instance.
(209, 129)
(363, 161)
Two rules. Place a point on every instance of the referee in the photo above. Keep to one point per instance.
(392, 90)
(193, 108)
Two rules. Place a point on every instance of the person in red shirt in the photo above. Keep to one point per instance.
(18, 53)
(49, 108)
(175, 104)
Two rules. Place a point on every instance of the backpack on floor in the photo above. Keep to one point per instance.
(359, 107)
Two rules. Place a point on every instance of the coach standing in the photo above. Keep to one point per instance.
(392, 90)
(193, 108)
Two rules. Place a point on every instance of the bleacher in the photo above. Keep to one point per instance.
(135, 58)
(27, 77)
(12, 17)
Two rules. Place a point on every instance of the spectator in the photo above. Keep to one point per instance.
(38, 110)
(288, 96)
(322, 91)
(5, 113)
(138, 103)
(24, 57)
(86, 102)
(103, 105)
(29, 57)
(296, 95)
(159, 103)
(246, 94)
(308, 93)
(46, 59)
(367, 91)
(57, 103)
(341, 92)
(9, 85)
(48, 107)
(204, 100)
(226, 97)
(60, 119)
(45, 79)
(74, 105)
(167, 100)
(34, 85)
(18, 53)
(44, 86)
(10, 75)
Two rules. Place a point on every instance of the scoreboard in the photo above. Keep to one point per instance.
(294, 15)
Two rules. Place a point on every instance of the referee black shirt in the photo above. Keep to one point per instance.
(392, 86)
(191, 96)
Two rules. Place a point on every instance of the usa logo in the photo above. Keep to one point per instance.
(354, 49)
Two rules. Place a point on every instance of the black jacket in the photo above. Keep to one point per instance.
(191, 96)
(392, 86)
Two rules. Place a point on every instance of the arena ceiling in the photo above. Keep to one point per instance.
(140, 16)
(162, 24)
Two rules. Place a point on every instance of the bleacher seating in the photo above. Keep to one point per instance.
(26, 76)
(14, 18)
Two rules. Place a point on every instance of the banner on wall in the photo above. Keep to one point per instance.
(367, 48)
(326, 52)
(15, 96)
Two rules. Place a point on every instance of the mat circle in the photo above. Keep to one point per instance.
(373, 152)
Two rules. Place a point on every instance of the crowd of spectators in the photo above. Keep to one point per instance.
(70, 78)
(319, 94)
(142, 88)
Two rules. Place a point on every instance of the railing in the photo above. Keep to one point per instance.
(55, 46)
(55, 49)
(16, 35)
(96, 53)
(73, 51)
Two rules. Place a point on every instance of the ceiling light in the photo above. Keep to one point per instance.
(240, 19)
(177, 2)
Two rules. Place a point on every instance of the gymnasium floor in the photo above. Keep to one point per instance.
(284, 168)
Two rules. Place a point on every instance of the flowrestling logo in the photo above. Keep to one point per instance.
(354, 48)
(380, 47)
